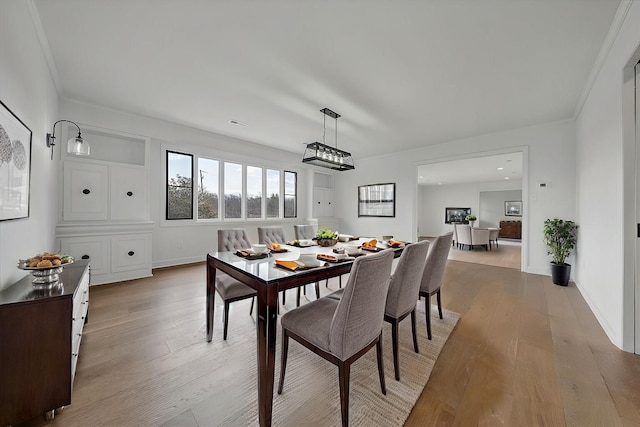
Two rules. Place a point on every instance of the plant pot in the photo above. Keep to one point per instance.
(327, 242)
(560, 274)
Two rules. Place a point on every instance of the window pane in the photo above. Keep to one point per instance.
(290, 194)
(232, 190)
(179, 185)
(273, 193)
(254, 192)
(208, 188)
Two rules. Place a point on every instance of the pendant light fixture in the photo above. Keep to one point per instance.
(320, 154)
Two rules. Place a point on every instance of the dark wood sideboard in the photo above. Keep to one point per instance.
(40, 333)
(510, 229)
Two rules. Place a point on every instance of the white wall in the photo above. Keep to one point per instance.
(549, 153)
(601, 170)
(28, 90)
(178, 242)
(492, 207)
(432, 201)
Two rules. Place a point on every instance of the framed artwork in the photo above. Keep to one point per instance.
(15, 165)
(513, 208)
(459, 215)
(377, 200)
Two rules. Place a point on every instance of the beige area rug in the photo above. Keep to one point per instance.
(311, 393)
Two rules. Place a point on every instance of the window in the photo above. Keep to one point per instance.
(179, 185)
(290, 194)
(254, 192)
(273, 193)
(208, 188)
(232, 190)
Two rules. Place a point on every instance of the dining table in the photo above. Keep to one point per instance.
(268, 279)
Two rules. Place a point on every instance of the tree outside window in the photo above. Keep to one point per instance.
(273, 193)
(179, 186)
(290, 194)
(208, 188)
(232, 190)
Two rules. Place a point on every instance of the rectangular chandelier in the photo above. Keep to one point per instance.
(323, 155)
(320, 154)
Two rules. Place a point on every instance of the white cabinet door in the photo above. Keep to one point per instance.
(128, 193)
(96, 248)
(322, 202)
(130, 252)
(85, 191)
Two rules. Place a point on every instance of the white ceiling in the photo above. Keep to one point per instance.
(501, 167)
(402, 73)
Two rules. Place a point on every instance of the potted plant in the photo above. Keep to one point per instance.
(326, 237)
(560, 236)
(471, 218)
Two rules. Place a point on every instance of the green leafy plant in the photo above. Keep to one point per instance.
(560, 236)
(471, 217)
(326, 234)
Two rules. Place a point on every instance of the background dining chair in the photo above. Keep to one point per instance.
(480, 237)
(464, 235)
(304, 232)
(493, 236)
(341, 331)
(455, 235)
(404, 287)
(433, 274)
(229, 289)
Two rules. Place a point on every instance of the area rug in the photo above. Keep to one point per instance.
(311, 393)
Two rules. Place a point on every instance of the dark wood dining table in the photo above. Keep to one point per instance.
(267, 279)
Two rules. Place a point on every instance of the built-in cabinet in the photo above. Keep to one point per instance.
(105, 199)
(323, 205)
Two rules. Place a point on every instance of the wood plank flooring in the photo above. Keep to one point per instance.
(525, 353)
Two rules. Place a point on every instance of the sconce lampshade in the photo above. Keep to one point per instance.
(77, 146)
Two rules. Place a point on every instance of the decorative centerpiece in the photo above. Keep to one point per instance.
(471, 218)
(45, 268)
(326, 237)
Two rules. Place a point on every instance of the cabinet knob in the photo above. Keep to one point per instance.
(329, 202)
(85, 257)
(130, 253)
(318, 202)
(86, 191)
(129, 193)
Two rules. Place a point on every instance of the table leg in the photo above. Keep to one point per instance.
(211, 294)
(266, 334)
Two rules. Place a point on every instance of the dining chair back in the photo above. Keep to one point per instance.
(341, 331)
(464, 235)
(493, 236)
(304, 232)
(229, 289)
(480, 237)
(433, 274)
(271, 234)
(404, 288)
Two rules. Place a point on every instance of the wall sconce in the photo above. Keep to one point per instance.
(76, 145)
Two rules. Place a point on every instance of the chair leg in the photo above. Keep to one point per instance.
(298, 297)
(253, 299)
(439, 303)
(344, 370)
(427, 309)
(317, 290)
(225, 320)
(394, 339)
(383, 386)
(413, 331)
(284, 299)
(340, 281)
(283, 363)
(326, 283)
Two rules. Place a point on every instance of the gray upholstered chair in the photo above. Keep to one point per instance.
(341, 331)
(480, 237)
(404, 287)
(455, 235)
(464, 235)
(493, 236)
(228, 288)
(271, 234)
(433, 274)
(304, 232)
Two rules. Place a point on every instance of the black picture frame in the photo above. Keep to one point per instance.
(15, 165)
(513, 208)
(457, 215)
(377, 200)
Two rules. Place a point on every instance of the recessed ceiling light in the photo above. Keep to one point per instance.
(500, 169)
(421, 176)
(506, 177)
(237, 123)
(439, 183)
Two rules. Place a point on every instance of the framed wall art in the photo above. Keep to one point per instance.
(513, 208)
(377, 200)
(459, 215)
(15, 165)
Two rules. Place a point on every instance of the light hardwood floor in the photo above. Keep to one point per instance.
(525, 353)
